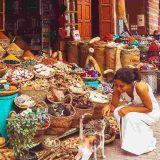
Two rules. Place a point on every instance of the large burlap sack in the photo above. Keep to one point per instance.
(99, 54)
(73, 52)
(110, 57)
(83, 52)
(130, 55)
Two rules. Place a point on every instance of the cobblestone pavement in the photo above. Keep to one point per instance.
(114, 152)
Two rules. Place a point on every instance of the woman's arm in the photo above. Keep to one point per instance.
(142, 91)
(115, 99)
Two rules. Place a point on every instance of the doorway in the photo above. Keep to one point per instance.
(95, 17)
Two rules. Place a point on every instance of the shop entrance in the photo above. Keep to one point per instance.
(95, 17)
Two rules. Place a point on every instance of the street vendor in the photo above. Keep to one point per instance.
(134, 119)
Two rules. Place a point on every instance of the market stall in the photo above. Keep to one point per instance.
(51, 104)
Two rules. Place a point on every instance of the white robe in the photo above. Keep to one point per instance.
(136, 133)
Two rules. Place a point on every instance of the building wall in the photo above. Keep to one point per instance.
(153, 15)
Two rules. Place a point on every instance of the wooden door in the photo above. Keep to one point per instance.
(84, 18)
(2, 15)
(106, 17)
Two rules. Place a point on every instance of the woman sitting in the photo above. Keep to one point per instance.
(135, 118)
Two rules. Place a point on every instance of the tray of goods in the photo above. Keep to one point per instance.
(71, 143)
(19, 75)
(76, 69)
(43, 71)
(63, 67)
(51, 142)
(37, 89)
(24, 101)
(28, 64)
(90, 74)
(41, 116)
(98, 97)
(55, 95)
(11, 61)
(77, 89)
(56, 154)
(146, 67)
(15, 50)
(7, 154)
(8, 88)
(48, 61)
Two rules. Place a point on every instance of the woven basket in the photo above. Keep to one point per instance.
(43, 77)
(99, 54)
(39, 135)
(72, 52)
(83, 52)
(110, 58)
(110, 140)
(79, 113)
(37, 95)
(22, 106)
(54, 138)
(130, 57)
(56, 130)
(62, 121)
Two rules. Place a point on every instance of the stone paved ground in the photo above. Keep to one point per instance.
(114, 152)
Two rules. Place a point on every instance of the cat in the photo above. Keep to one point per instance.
(90, 144)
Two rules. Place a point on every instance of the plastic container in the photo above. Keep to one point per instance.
(6, 104)
(94, 83)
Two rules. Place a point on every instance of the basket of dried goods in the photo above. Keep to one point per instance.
(71, 143)
(43, 71)
(100, 100)
(90, 74)
(8, 88)
(24, 101)
(15, 50)
(11, 61)
(61, 116)
(2, 52)
(43, 121)
(76, 69)
(4, 40)
(37, 89)
(81, 105)
(51, 142)
(19, 75)
(60, 153)
(48, 61)
(61, 66)
(28, 64)
(55, 95)
(3, 68)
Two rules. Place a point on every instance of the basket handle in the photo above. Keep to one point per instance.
(71, 99)
(42, 104)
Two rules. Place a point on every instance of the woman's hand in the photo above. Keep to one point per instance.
(106, 110)
(123, 111)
